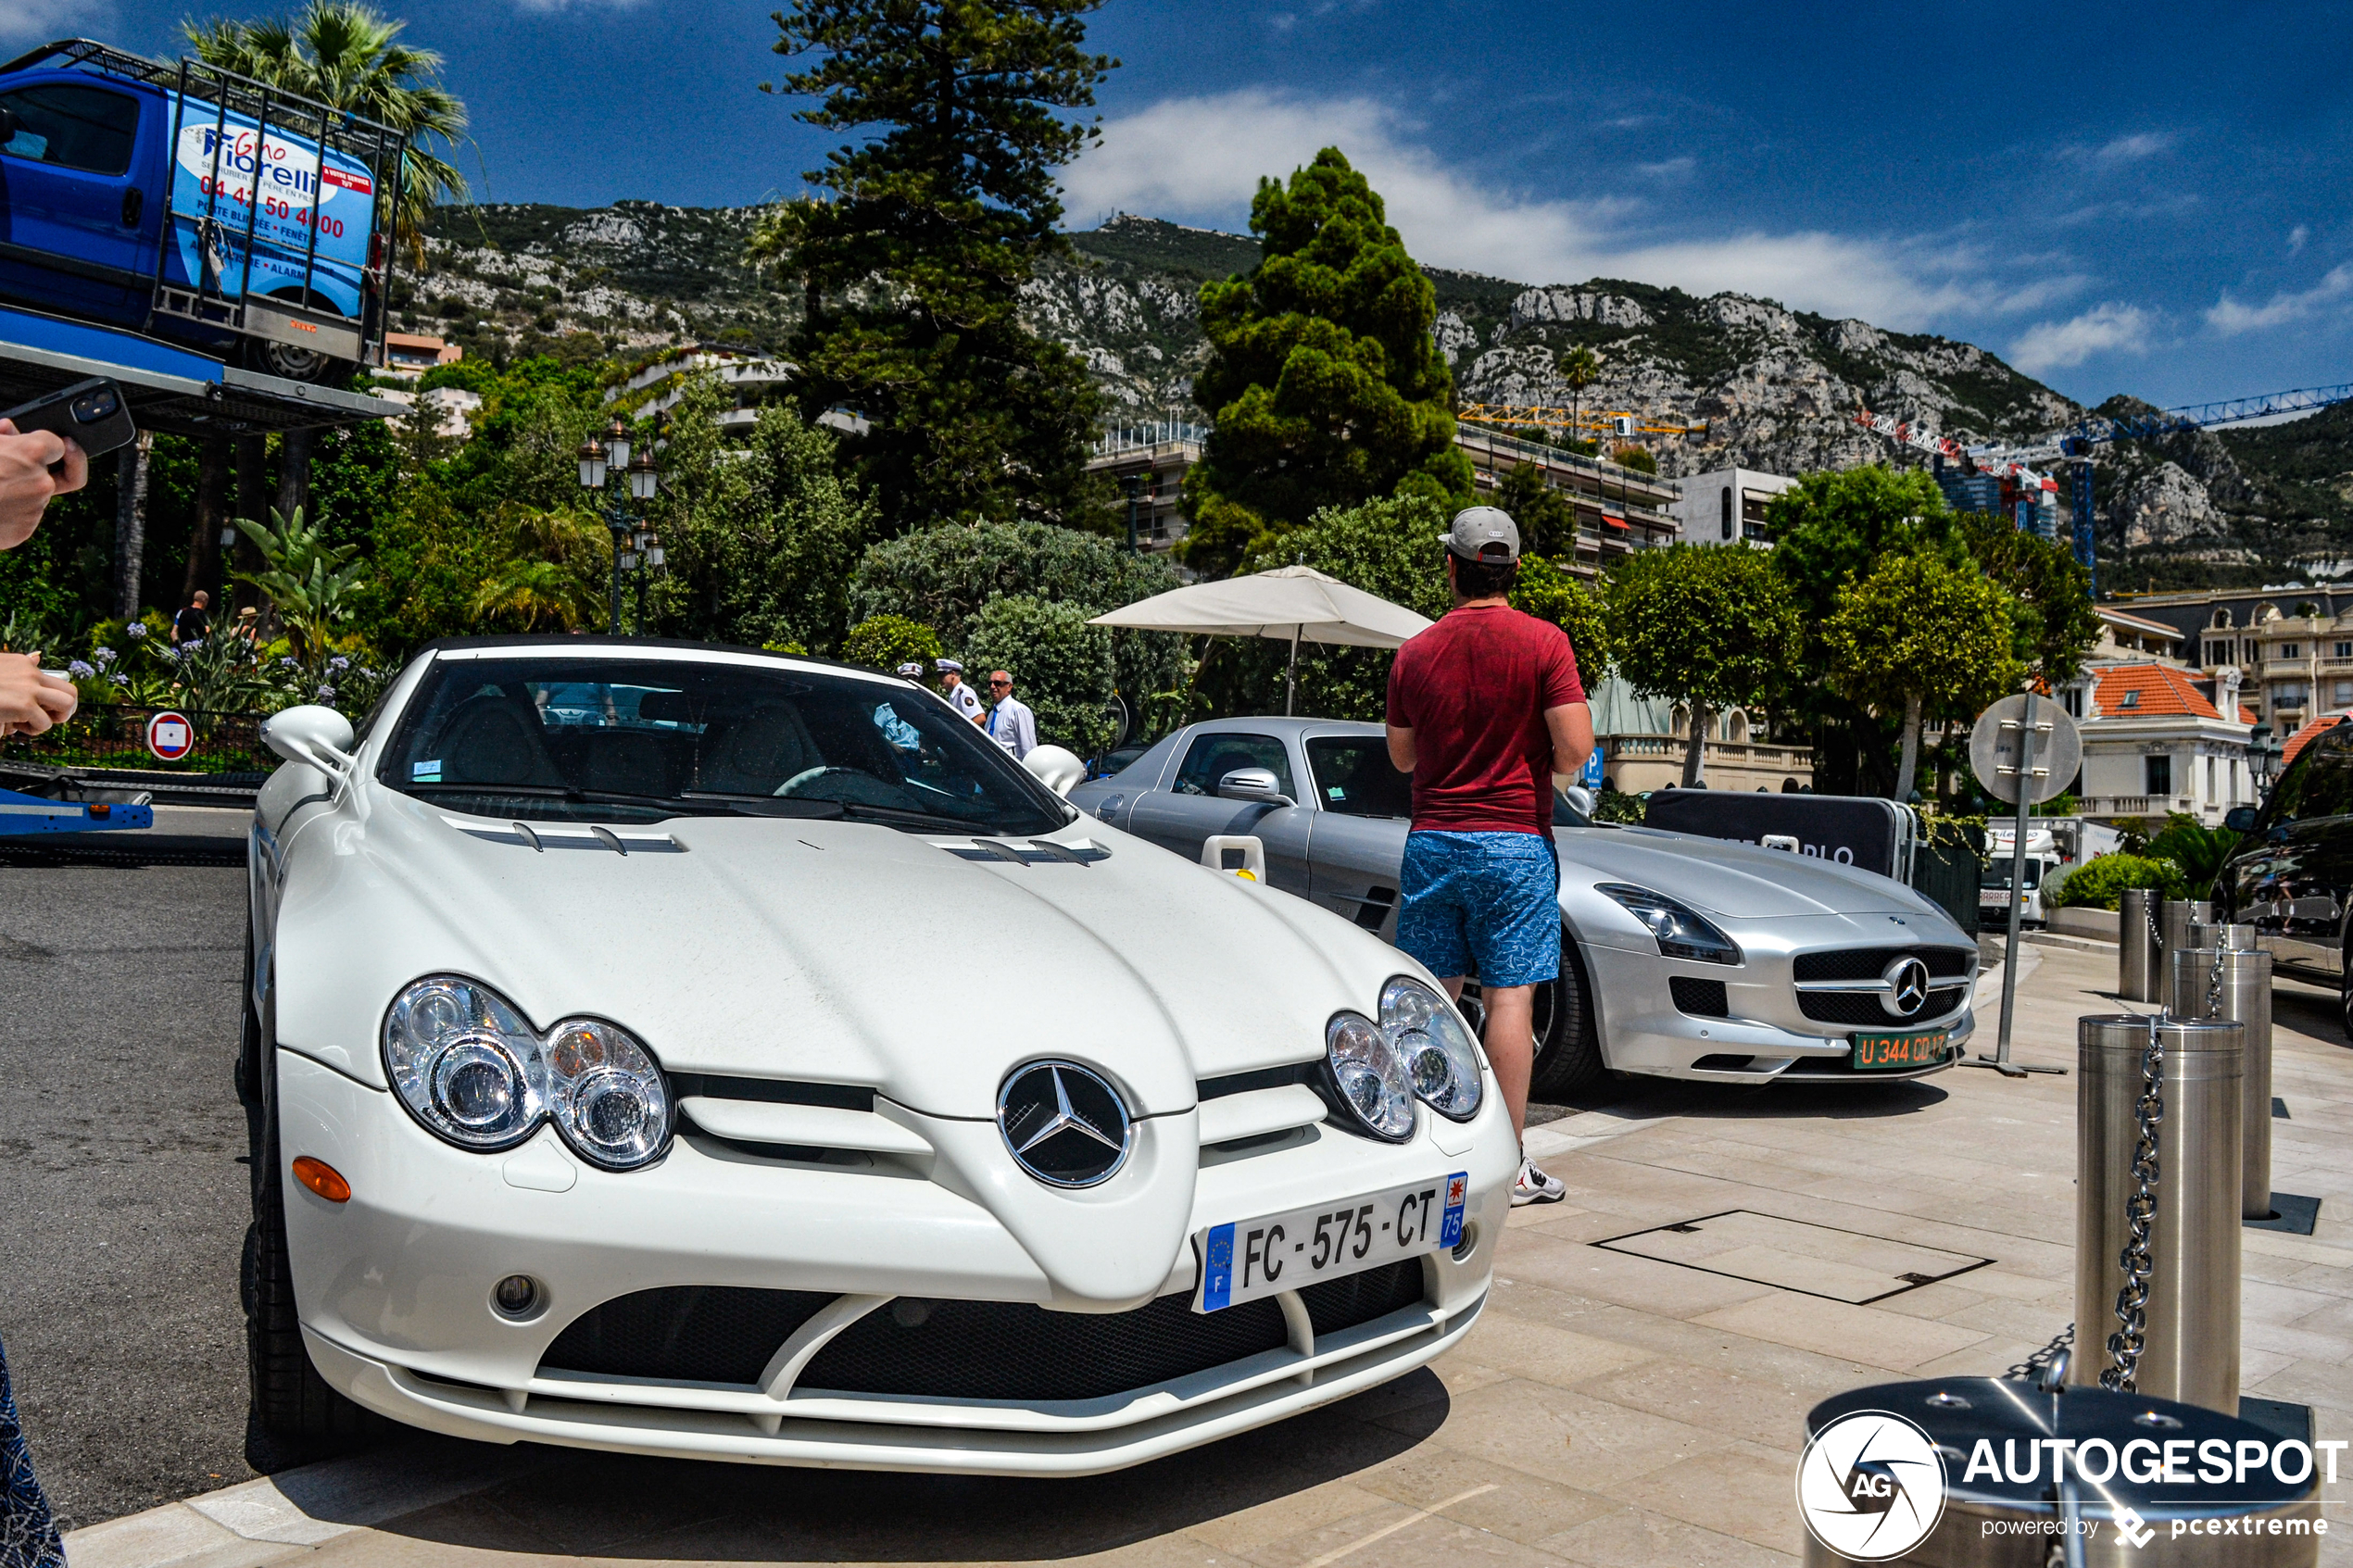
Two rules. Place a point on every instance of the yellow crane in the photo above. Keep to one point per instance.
(1599, 423)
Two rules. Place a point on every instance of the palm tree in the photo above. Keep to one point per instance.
(1578, 367)
(349, 57)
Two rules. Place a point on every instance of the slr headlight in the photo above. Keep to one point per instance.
(608, 1097)
(1369, 1078)
(1681, 931)
(465, 1063)
(473, 1071)
(1429, 1040)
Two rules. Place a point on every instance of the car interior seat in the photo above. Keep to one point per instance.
(760, 751)
(491, 739)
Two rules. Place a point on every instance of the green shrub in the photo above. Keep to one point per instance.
(885, 642)
(2099, 883)
(1062, 668)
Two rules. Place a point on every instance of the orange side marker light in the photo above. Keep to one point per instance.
(322, 1179)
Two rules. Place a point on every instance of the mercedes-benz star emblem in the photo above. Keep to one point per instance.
(1906, 990)
(1064, 1123)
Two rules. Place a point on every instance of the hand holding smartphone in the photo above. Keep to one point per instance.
(92, 414)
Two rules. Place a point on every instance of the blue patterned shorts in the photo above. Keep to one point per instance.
(28, 1535)
(1482, 904)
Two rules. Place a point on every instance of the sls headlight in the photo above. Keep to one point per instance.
(1430, 1038)
(470, 1069)
(608, 1097)
(1368, 1077)
(1682, 932)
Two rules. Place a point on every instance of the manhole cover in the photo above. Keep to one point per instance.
(1794, 1255)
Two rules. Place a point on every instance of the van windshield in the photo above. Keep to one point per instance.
(609, 740)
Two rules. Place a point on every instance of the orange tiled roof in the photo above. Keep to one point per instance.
(2246, 714)
(2303, 737)
(2160, 690)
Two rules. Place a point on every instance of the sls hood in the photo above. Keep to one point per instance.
(1737, 881)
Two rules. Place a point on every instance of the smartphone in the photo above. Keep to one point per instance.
(92, 414)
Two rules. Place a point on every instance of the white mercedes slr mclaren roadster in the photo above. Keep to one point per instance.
(694, 1051)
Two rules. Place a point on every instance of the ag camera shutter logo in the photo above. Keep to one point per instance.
(1870, 1486)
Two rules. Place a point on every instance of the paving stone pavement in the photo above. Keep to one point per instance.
(1611, 1410)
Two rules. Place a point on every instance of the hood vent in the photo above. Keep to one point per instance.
(544, 836)
(1085, 852)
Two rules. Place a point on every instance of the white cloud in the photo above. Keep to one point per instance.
(40, 21)
(2296, 238)
(2132, 149)
(1671, 169)
(548, 7)
(1200, 161)
(2230, 318)
(2104, 328)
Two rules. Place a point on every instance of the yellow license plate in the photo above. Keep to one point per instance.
(1878, 1053)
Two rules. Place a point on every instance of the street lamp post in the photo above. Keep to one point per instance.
(634, 547)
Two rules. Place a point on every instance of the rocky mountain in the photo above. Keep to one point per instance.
(1776, 388)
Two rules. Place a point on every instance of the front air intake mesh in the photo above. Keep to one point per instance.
(1869, 963)
(1015, 1350)
(1699, 998)
(683, 1333)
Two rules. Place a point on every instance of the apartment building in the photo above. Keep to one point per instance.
(1618, 509)
(2292, 646)
(1725, 505)
(2157, 741)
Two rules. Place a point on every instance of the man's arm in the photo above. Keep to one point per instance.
(1572, 730)
(1401, 748)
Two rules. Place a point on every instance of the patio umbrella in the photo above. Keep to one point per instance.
(1294, 603)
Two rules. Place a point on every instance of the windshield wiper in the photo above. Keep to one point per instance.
(858, 811)
(696, 803)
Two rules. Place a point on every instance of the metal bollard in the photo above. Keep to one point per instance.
(1995, 1522)
(2191, 1334)
(2137, 976)
(2244, 996)
(2175, 921)
(2205, 933)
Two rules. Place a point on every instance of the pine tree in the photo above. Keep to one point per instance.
(911, 257)
(1325, 383)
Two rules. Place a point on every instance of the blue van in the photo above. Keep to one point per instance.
(195, 205)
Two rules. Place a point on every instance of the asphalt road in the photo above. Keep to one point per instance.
(122, 1184)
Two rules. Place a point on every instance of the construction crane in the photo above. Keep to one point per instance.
(2075, 444)
(1620, 424)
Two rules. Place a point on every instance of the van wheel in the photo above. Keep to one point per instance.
(1569, 1036)
(289, 362)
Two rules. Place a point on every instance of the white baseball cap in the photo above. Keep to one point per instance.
(1486, 534)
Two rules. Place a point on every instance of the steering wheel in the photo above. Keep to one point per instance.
(810, 775)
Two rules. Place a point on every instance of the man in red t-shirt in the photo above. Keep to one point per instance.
(1484, 708)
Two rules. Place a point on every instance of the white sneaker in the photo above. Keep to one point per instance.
(1535, 1186)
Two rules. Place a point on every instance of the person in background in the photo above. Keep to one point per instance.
(1010, 724)
(31, 700)
(248, 626)
(1484, 708)
(960, 696)
(193, 623)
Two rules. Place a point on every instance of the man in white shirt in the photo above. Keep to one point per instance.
(1010, 724)
(961, 696)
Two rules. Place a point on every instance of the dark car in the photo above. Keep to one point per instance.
(2292, 877)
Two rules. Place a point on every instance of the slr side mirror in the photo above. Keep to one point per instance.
(312, 734)
(2239, 819)
(1256, 785)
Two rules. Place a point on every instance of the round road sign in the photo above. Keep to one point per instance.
(170, 736)
(1994, 749)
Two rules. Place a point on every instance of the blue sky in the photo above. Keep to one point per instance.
(2150, 198)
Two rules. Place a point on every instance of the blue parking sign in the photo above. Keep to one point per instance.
(1592, 777)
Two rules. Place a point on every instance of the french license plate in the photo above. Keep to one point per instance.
(1879, 1052)
(1248, 1260)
